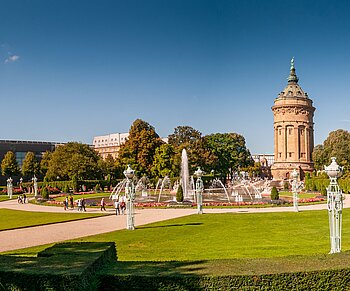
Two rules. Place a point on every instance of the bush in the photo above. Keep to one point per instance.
(65, 189)
(286, 186)
(45, 193)
(179, 194)
(274, 194)
(97, 188)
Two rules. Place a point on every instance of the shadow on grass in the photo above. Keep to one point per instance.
(171, 225)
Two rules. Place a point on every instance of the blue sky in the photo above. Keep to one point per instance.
(70, 70)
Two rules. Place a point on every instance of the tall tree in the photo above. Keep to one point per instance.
(184, 136)
(9, 165)
(108, 166)
(163, 164)
(336, 145)
(44, 163)
(74, 159)
(30, 165)
(231, 152)
(139, 149)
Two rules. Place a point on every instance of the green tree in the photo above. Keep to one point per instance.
(163, 164)
(231, 152)
(108, 166)
(74, 159)
(184, 135)
(274, 194)
(9, 165)
(140, 148)
(179, 194)
(44, 163)
(336, 145)
(30, 165)
(198, 152)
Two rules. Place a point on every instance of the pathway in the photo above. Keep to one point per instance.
(39, 235)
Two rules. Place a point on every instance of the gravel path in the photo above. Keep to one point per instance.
(39, 235)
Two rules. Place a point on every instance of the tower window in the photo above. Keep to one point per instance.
(280, 131)
(290, 130)
(290, 155)
(279, 155)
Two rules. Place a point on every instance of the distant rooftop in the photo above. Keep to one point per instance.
(27, 142)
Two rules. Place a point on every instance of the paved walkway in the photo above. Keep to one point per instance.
(39, 235)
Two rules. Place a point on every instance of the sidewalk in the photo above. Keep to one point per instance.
(39, 235)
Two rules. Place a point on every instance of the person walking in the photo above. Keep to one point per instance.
(24, 198)
(103, 204)
(122, 207)
(117, 207)
(79, 205)
(71, 201)
(65, 204)
(83, 204)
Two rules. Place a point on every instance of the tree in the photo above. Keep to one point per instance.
(274, 194)
(163, 164)
(198, 152)
(179, 194)
(30, 165)
(44, 163)
(231, 153)
(184, 135)
(140, 148)
(9, 165)
(336, 145)
(73, 159)
(108, 166)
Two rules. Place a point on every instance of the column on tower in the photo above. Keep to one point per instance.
(296, 143)
(307, 144)
(276, 143)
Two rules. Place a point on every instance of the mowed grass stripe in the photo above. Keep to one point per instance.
(228, 236)
(12, 219)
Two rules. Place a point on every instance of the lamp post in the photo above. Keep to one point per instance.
(130, 198)
(35, 181)
(9, 187)
(334, 205)
(199, 190)
(295, 189)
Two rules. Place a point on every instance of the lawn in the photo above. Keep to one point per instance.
(18, 219)
(228, 236)
(287, 194)
(225, 244)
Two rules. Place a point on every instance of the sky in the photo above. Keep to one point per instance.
(71, 70)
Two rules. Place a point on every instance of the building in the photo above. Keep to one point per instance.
(293, 130)
(109, 144)
(21, 148)
(265, 160)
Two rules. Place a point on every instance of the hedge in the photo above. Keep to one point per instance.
(65, 266)
(317, 280)
(321, 183)
(82, 266)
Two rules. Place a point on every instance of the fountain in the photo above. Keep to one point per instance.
(185, 176)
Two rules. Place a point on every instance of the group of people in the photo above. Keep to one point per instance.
(22, 199)
(69, 201)
(120, 207)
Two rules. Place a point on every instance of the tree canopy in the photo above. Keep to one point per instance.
(9, 165)
(140, 148)
(30, 165)
(336, 145)
(73, 159)
(231, 152)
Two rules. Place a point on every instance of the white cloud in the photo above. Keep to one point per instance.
(12, 59)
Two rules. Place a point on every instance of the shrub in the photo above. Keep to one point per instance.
(45, 193)
(274, 194)
(97, 188)
(65, 189)
(179, 194)
(286, 186)
(75, 183)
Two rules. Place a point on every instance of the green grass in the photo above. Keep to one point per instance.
(225, 244)
(19, 219)
(86, 196)
(228, 236)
